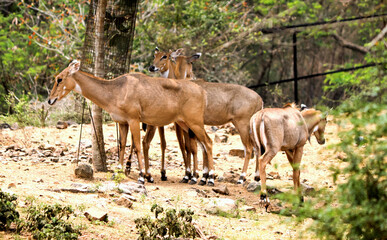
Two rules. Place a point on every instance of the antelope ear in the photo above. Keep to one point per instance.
(194, 57)
(177, 53)
(157, 50)
(74, 66)
(303, 107)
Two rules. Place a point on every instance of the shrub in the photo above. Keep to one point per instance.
(171, 224)
(50, 222)
(8, 213)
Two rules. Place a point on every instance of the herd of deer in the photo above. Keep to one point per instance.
(178, 98)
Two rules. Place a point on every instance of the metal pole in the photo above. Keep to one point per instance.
(295, 74)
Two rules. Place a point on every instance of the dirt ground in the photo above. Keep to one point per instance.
(37, 161)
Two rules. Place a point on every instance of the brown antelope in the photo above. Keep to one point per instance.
(284, 129)
(225, 103)
(139, 98)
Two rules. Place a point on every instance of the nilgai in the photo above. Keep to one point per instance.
(225, 103)
(284, 129)
(131, 100)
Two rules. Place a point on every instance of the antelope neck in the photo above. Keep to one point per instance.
(170, 71)
(311, 122)
(99, 91)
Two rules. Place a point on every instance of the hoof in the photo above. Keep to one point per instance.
(184, 180)
(211, 182)
(164, 178)
(193, 181)
(257, 178)
(127, 172)
(202, 182)
(264, 201)
(150, 179)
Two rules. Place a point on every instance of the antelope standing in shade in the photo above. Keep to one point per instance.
(284, 129)
(140, 98)
(225, 103)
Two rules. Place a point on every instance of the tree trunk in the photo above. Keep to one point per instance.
(99, 156)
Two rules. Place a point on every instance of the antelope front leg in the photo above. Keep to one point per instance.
(136, 135)
(150, 132)
(163, 144)
(208, 161)
(123, 128)
(180, 137)
(194, 151)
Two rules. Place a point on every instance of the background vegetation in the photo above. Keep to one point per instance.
(38, 38)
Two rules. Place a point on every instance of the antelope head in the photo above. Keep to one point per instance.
(320, 129)
(64, 82)
(316, 122)
(160, 61)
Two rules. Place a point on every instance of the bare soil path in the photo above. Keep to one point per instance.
(36, 162)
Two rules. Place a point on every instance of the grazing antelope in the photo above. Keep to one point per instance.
(139, 98)
(284, 129)
(225, 103)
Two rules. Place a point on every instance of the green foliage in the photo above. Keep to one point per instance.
(50, 222)
(357, 208)
(172, 224)
(8, 213)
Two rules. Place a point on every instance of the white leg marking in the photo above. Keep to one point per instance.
(211, 180)
(188, 170)
(141, 179)
(205, 170)
(243, 174)
(211, 172)
(257, 174)
(194, 179)
(148, 171)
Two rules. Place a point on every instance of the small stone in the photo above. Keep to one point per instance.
(248, 208)
(230, 177)
(237, 152)
(243, 220)
(220, 204)
(221, 138)
(221, 190)
(306, 189)
(124, 201)
(94, 214)
(254, 185)
(274, 175)
(11, 185)
(62, 125)
(84, 170)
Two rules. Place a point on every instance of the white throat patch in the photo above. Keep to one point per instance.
(165, 74)
(78, 89)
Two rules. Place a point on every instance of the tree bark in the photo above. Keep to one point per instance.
(99, 156)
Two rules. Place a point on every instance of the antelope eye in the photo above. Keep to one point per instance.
(59, 80)
(163, 57)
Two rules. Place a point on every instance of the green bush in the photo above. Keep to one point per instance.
(357, 208)
(50, 222)
(172, 224)
(8, 213)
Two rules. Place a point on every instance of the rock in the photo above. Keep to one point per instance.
(84, 170)
(220, 204)
(221, 138)
(230, 177)
(11, 185)
(129, 187)
(306, 189)
(124, 201)
(243, 220)
(78, 188)
(62, 125)
(94, 214)
(107, 187)
(274, 175)
(87, 143)
(237, 152)
(221, 190)
(254, 185)
(248, 208)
